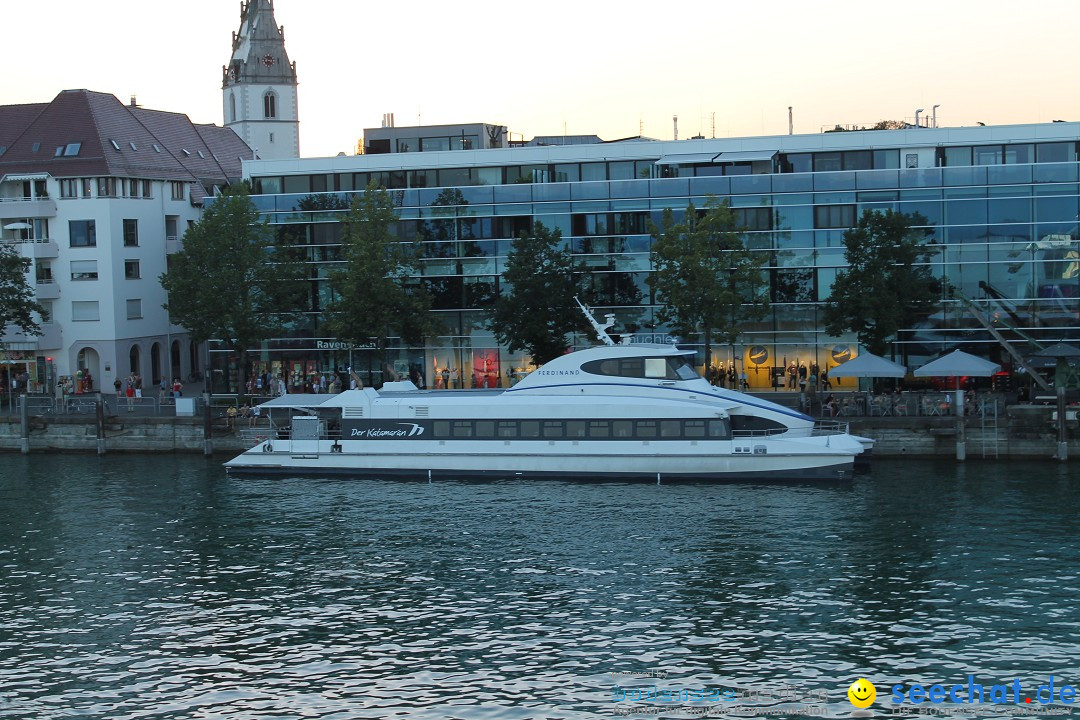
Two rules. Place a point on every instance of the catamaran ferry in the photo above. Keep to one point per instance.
(620, 412)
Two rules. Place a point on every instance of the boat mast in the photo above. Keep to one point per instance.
(601, 330)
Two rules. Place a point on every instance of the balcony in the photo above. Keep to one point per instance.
(47, 290)
(49, 339)
(27, 207)
(173, 244)
(41, 249)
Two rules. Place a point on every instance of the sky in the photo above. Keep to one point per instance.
(615, 69)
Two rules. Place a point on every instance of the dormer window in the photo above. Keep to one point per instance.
(270, 105)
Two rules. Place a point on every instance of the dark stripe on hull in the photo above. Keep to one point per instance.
(841, 472)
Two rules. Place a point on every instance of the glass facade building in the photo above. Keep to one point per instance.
(1000, 203)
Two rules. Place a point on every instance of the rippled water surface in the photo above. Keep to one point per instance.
(155, 587)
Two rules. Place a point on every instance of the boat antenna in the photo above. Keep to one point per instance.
(601, 330)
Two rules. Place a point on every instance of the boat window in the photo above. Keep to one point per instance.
(694, 429)
(656, 367)
(678, 367)
(682, 367)
(719, 429)
(755, 424)
(600, 429)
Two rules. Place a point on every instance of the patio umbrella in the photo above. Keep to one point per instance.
(955, 364)
(870, 366)
(1061, 353)
(958, 363)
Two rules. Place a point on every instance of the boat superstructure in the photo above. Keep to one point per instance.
(611, 412)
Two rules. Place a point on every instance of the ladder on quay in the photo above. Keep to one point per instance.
(988, 412)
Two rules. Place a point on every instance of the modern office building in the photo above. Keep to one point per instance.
(1001, 207)
(98, 194)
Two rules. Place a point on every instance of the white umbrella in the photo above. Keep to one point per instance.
(958, 363)
(955, 364)
(18, 226)
(869, 365)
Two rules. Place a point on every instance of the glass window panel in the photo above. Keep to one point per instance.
(1055, 152)
(1056, 208)
(1018, 154)
(593, 171)
(671, 428)
(828, 161)
(621, 170)
(567, 173)
(858, 160)
(987, 154)
(751, 185)
(645, 429)
(964, 176)
(834, 181)
(1010, 210)
(957, 156)
(920, 178)
(929, 209)
(297, 184)
(1056, 172)
(488, 176)
(966, 212)
(886, 159)
(798, 163)
(575, 428)
(1006, 174)
(792, 184)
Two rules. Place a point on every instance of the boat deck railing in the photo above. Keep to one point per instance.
(830, 427)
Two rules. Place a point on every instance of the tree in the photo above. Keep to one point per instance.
(376, 293)
(882, 290)
(706, 279)
(536, 310)
(17, 304)
(232, 281)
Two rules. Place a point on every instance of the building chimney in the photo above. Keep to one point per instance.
(790, 122)
(133, 103)
(675, 120)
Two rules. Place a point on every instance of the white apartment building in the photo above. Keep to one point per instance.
(98, 194)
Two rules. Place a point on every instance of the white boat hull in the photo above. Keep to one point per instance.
(803, 459)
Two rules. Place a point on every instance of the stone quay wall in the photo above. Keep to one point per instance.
(1024, 431)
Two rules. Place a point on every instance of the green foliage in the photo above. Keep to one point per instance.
(705, 277)
(882, 291)
(376, 294)
(17, 304)
(232, 282)
(537, 311)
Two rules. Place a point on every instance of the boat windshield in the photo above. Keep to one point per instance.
(670, 367)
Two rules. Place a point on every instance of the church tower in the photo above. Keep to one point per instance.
(259, 85)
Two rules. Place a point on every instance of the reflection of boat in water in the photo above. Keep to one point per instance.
(615, 412)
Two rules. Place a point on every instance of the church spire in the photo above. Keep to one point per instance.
(259, 84)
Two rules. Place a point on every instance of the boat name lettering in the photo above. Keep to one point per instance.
(406, 430)
(558, 372)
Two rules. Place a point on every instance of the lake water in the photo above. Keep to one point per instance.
(155, 587)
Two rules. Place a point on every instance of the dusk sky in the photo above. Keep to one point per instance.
(581, 67)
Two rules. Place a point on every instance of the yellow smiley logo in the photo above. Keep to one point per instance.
(862, 693)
